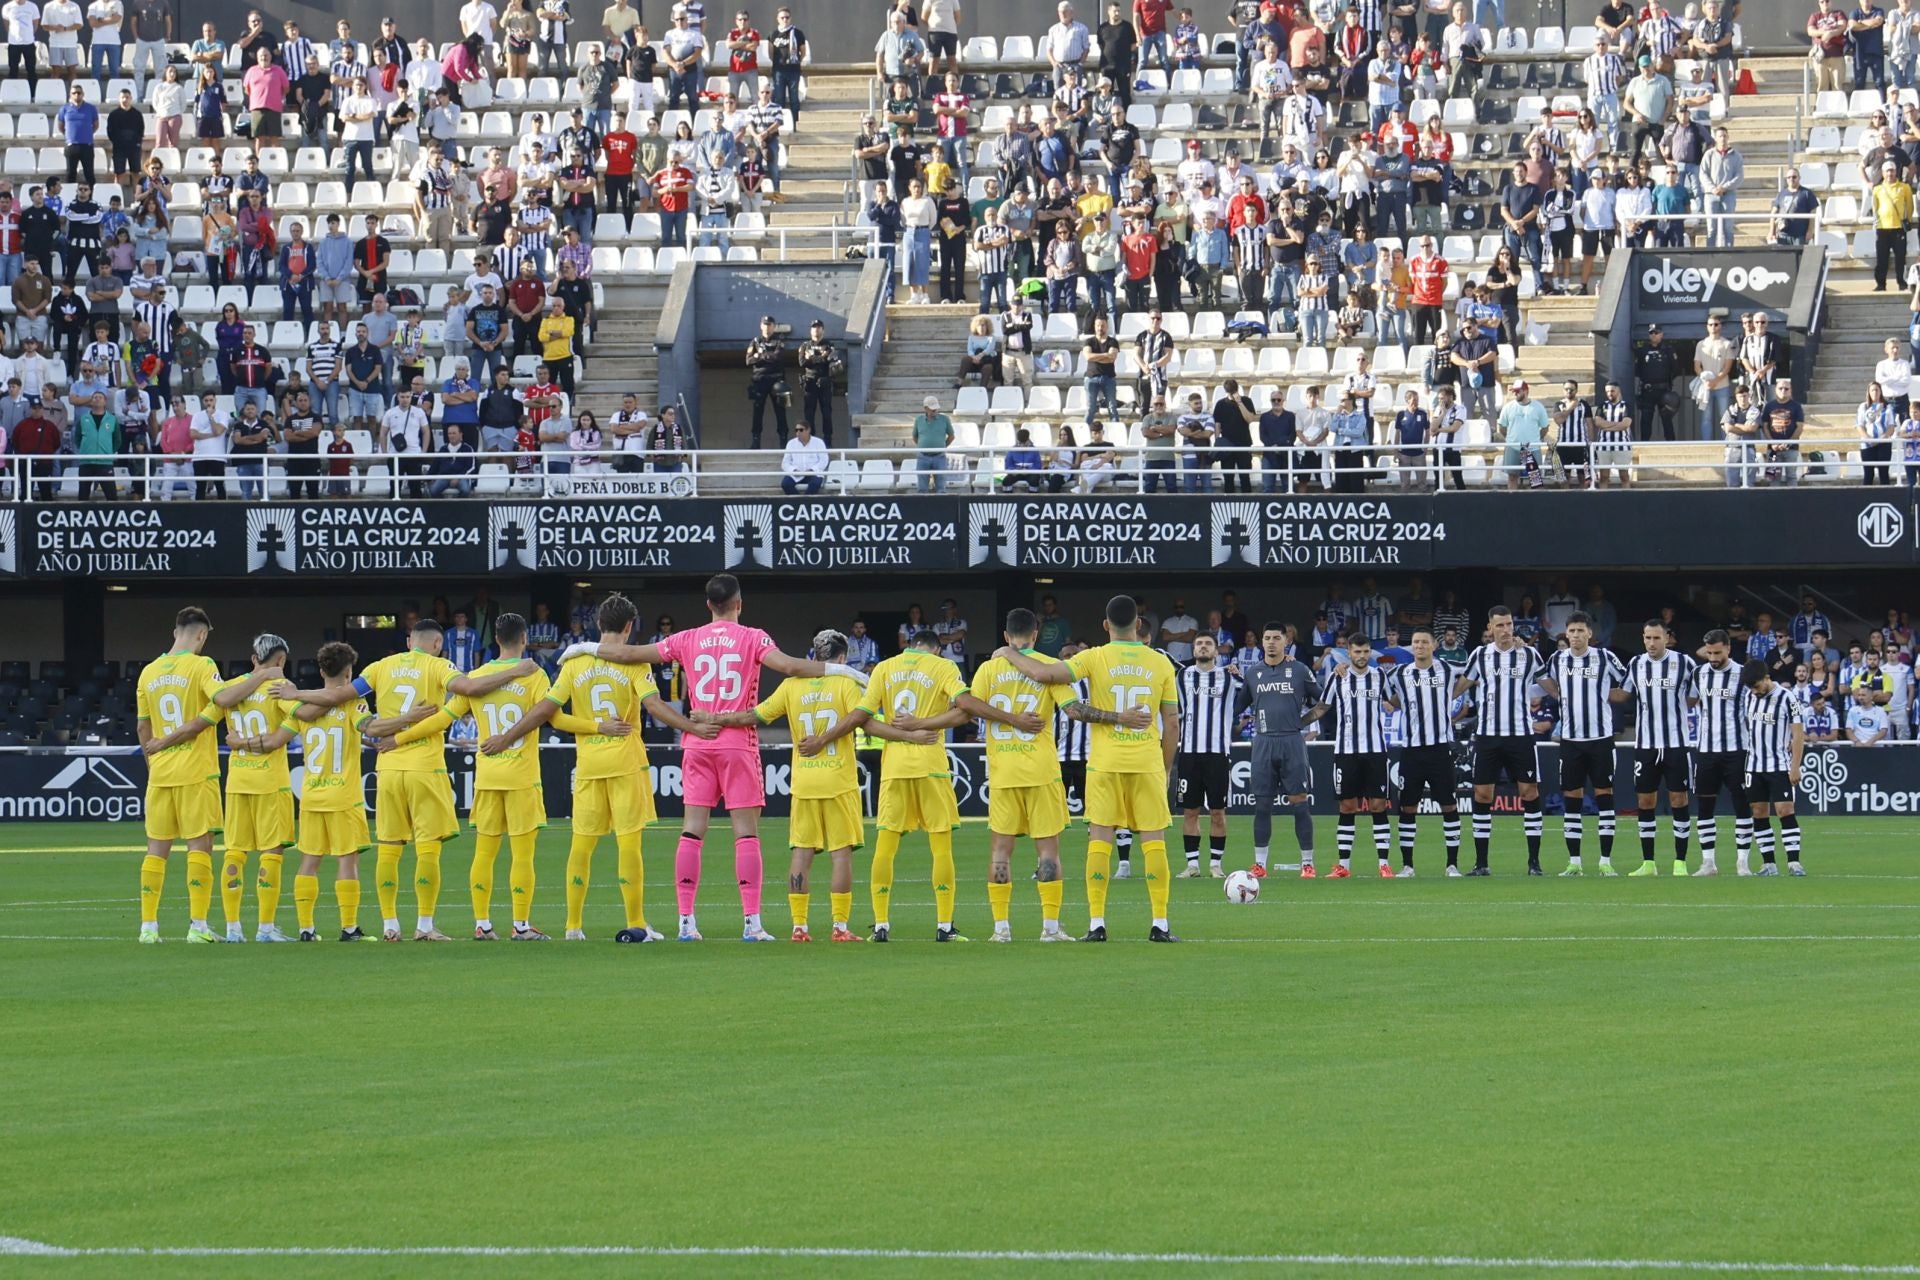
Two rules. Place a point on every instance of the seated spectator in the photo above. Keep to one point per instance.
(1867, 723)
(983, 355)
(1022, 465)
(803, 462)
(1063, 464)
(667, 442)
(454, 467)
(1098, 462)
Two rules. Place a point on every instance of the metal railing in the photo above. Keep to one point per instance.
(1479, 461)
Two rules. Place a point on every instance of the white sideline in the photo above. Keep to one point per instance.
(14, 1246)
(1475, 938)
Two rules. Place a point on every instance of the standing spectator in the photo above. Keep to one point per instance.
(1827, 30)
(60, 22)
(1713, 363)
(103, 19)
(1233, 417)
(1782, 422)
(265, 85)
(1721, 172)
(22, 18)
(1102, 382)
(790, 52)
(1523, 429)
(78, 121)
(1878, 422)
(1474, 354)
(1654, 367)
(1792, 199)
(1866, 31)
(209, 431)
(951, 629)
(1197, 431)
(899, 54)
(932, 434)
(803, 462)
(1066, 42)
(1892, 213)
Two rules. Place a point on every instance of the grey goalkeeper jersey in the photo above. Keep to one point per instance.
(1280, 696)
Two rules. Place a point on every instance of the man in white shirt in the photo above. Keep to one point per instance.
(803, 463)
(952, 630)
(60, 21)
(22, 18)
(1177, 633)
(103, 25)
(478, 17)
(1067, 40)
(1867, 725)
(1560, 605)
(403, 431)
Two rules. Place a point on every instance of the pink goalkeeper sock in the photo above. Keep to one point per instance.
(748, 871)
(686, 872)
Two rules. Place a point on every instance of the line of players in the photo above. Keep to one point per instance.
(1750, 741)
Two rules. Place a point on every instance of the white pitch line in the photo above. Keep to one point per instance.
(1298, 940)
(13, 1246)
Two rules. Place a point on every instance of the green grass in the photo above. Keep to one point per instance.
(1716, 1070)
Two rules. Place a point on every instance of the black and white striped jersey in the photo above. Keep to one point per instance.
(1770, 720)
(1662, 685)
(1070, 735)
(1573, 421)
(1502, 677)
(1426, 703)
(1209, 704)
(1357, 698)
(1610, 425)
(1722, 709)
(1585, 681)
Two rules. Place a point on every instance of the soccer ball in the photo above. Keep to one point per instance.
(1242, 887)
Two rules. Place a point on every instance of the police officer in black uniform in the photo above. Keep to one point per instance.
(817, 362)
(766, 363)
(1654, 368)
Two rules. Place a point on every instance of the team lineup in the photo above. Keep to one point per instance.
(1119, 721)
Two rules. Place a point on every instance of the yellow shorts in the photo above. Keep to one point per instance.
(259, 823)
(1027, 811)
(1136, 801)
(183, 813)
(414, 804)
(833, 822)
(613, 806)
(334, 833)
(918, 804)
(508, 813)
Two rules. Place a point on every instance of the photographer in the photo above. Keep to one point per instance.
(766, 362)
(819, 362)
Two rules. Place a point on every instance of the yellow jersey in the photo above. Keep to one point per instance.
(173, 690)
(330, 749)
(255, 716)
(1016, 759)
(399, 683)
(914, 683)
(1121, 675)
(815, 704)
(602, 690)
(518, 767)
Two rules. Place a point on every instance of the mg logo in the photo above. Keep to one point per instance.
(1880, 525)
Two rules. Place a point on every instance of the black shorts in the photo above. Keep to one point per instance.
(1562, 242)
(1429, 771)
(1660, 768)
(1360, 777)
(1593, 243)
(1714, 771)
(1203, 780)
(1073, 775)
(1573, 455)
(1512, 755)
(1584, 762)
(1773, 787)
(265, 124)
(943, 44)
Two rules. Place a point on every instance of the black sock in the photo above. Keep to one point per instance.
(1530, 815)
(1682, 830)
(1219, 850)
(1193, 847)
(1482, 831)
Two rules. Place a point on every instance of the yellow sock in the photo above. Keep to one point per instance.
(347, 894)
(1000, 898)
(1051, 893)
(941, 842)
(306, 895)
(885, 847)
(633, 884)
(199, 884)
(1158, 885)
(386, 880)
(426, 876)
(797, 905)
(266, 886)
(842, 907)
(579, 877)
(520, 874)
(486, 851)
(153, 878)
(1099, 867)
(233, 884)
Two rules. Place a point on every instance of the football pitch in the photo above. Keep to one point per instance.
(1502, 1077)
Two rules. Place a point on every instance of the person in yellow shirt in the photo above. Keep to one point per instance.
(612, 779)
(333, 801)
(916, 785)
(557, 330)
(826, 784)
(1892, 214)
(508, 802)
(1127, 769)
(259, 798)
(413, 800)
(180, 695)
(1026, 796)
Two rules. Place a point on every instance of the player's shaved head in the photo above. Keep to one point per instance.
(510, 629)
(925, 638)
(336, 658)
(191, 617)
(829, 645)
(1022, 625)
(266, 645)
(723, 592)
(616, 614)
(427, 627)
(1123, 615)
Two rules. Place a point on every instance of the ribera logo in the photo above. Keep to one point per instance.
(1697, 284)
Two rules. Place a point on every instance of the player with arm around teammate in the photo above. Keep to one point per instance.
(1212, 695)
(1281, 691)
(1357, 690)
(1422, 691)
(1776, 744)
(1589, 682)
(1720, 749)
(1662, 680)
(1503, 669)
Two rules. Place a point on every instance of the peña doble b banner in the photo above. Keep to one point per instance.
(950, 533)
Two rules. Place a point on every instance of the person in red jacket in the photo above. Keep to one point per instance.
(35, 437)
(1429, 271)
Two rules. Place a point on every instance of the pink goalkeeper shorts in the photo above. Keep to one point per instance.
(709, 779)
